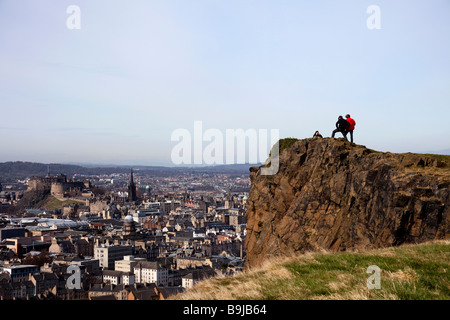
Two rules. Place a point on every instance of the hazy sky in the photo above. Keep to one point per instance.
(115, 90)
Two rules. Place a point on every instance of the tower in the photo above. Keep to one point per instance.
(132, 189)
(129, 228)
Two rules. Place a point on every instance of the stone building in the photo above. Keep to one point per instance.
(77, 245)
(127, 264)
(129, 228)
(190, 279)
(108, 255)
(151, 272)
(118, 277)
(58, 185)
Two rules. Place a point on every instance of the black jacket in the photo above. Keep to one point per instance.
(342, 124)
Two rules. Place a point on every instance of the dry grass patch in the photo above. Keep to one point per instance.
(407, 272)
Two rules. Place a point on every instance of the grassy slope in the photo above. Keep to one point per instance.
(407, 272)
(51, 203)
(41, 201)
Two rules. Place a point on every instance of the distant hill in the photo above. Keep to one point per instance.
(12, 170)
(20, 170)
(444, 152)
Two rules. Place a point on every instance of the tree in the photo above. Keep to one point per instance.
(98, 191)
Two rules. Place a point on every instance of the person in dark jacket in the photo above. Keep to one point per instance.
(317, 135)
(341, 126)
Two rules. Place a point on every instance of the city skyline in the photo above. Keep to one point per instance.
(114, 91)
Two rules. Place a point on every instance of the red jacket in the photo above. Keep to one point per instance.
(352, 124)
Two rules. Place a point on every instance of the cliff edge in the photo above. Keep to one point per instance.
(335, 195)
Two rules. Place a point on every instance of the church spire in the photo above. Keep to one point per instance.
(132, 188)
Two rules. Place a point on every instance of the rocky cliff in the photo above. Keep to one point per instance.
(335, 195)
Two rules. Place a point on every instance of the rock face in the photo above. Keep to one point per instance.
(334, 195)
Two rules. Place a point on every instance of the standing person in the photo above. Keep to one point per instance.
(317, 135)
(341, 126)
(351, 127)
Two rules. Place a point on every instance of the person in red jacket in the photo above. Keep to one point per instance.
(351, 127)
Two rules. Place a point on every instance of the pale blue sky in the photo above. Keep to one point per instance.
(115, 90)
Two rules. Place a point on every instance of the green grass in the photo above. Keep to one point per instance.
(52, 203)
(419, 273)
(283, 144)
(286, 143)
(410, 272)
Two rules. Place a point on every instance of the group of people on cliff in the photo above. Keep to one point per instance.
(344, 126)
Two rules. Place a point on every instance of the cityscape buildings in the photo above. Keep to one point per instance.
(134, 236)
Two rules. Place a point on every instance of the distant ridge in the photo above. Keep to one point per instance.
(13, 170)
(442, 152)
